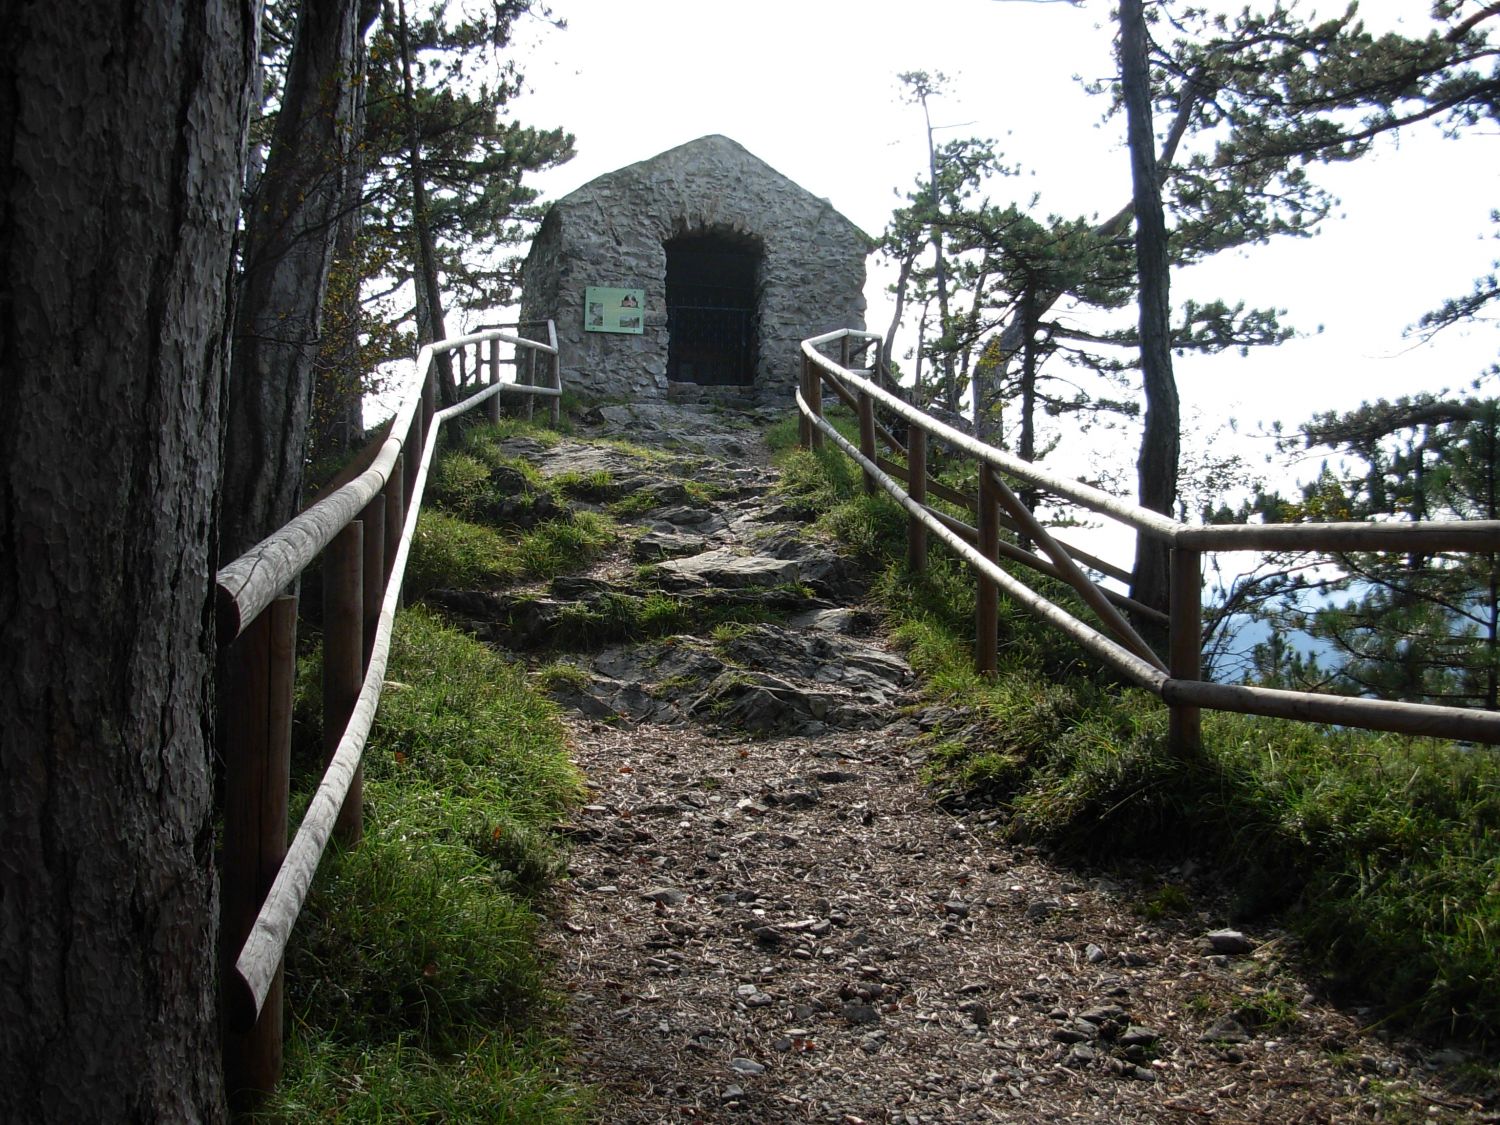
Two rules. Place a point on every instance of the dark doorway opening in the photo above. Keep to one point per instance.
(711, 322)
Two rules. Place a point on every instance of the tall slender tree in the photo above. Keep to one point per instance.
(1157, 465)
(445, 197)
(291, 226)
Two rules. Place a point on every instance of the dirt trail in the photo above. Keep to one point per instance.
(789, 928)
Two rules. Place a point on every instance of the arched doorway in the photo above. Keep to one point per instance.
(711, 309)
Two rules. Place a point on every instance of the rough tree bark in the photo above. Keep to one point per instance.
(291, 226)
(939, 263)
(338, 387)
(1157, 466)
(431, 326)
(121, 157)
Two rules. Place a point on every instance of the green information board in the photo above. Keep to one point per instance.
(614, 310)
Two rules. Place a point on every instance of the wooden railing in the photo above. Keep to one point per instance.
(362, 526)
(1177, 680)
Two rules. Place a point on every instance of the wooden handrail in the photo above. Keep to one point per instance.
(1143, 519)
(1424, 535)
(263, 950)
(1178, 685)
(387, 493)
(246, 586)
(1117, 656)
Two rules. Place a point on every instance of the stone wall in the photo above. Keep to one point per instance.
(611, 232)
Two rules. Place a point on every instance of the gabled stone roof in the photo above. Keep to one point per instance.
(713, 161)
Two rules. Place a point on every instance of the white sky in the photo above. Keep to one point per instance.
(810, 87)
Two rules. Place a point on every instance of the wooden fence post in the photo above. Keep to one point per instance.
(530, 382)
(373, 572)
(492, 407)
(429, 394)
(395, 515)
(987, 612)
(804, 424)
(866, 432)
(1185, 645)
(916, 488)
(261, 669)
(343, 659)
(554, 408)
(814, 398)
(411, 455)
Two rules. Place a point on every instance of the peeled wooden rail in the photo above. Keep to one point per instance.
(1117, 656)
(1177, 680)
(363, 529)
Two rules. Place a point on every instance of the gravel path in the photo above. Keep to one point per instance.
(785, 929)
(790, 930)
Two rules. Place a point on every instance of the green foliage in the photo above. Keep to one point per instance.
(484, 439)
(1413, 626)
(633, 505)
(782, 437)
(596, 485)
(450, 553)
(513, 1078)
(473, 157)
(411, 940)
(464, 720)
(1169, 901)
(414, 981)
(865, 524)
(563, 545)
(561, 675)
(462, 484)
(815, 480)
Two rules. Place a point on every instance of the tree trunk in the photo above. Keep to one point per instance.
(122, 134)
(339, 382)
(1157, 464)
(430, 322)
(939, 265)
(903, 280)
(290, 230)
(1027, 452)
(1012, 336)
(1492, 576)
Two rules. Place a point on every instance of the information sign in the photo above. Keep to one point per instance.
(614, 310)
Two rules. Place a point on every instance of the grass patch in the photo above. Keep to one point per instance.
(414, 984)
(486, 434)
(510, 1078)
(451, 553)
(633, 504)
(561, 675)
(597, 484)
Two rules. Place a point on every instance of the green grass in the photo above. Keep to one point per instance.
(489, 434)
(1383, 852)
(414, 985)
(598, 484)
(491, 1077)
(633, 504)
(451, 553)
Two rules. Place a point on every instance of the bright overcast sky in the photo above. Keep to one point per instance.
(810, 87)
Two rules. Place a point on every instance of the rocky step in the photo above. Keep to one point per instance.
(804, 677)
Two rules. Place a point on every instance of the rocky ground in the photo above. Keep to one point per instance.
(770, 919)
